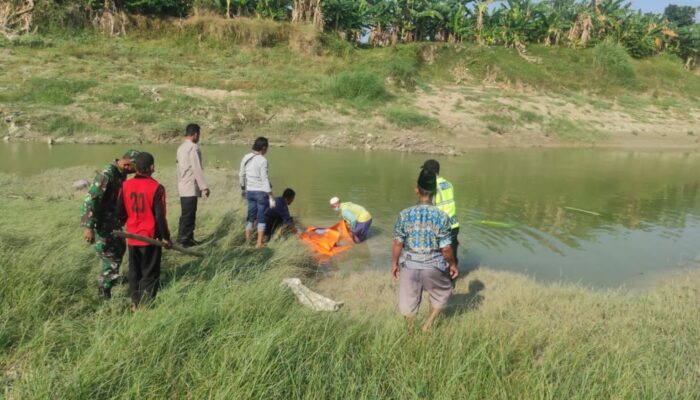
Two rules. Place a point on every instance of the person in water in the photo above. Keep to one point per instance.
(255, 183)
(357, 218)
(444, 199)
(278, 217)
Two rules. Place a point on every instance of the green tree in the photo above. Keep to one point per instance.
(680, 15)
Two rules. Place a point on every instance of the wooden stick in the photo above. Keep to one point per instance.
(127, 235)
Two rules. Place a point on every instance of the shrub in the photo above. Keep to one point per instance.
(354, 85)
(406, 118)
(51, 91)
(215, 6)
(613, 63)
(335, 45)
(403, 66)
(255, 32)
(64, 125)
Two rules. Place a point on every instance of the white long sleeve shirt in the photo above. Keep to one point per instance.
(254, 173)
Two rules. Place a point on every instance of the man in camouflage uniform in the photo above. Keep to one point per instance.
(99, 218)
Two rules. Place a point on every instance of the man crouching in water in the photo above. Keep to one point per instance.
(422, 257)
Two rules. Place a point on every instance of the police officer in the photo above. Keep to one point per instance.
(99, 218)
(445, 201)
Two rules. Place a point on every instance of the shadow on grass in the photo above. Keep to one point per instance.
(461, 303)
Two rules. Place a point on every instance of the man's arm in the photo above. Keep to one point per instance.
(241, 174)
(121, 208)
(450, 258)
(399, 239)
(283, 212)
(349, 217)
(159, 212)
(265, 176)
(395, 254)
(196, 165)
(94, 194)
(444, 238)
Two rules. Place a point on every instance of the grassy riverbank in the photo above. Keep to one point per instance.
(241, 78)
(223, 328)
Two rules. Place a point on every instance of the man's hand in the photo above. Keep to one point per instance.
(454, 271)
(89, 235)
(206, 192)
(395, 271)
(167, 244)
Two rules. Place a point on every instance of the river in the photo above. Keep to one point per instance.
(601, 218)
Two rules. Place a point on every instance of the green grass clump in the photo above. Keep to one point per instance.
(614, 64)
(360, 86)
(498, 123)
(222, 327)
(64, 125)
(403, 65)
(49, 91)
(408, 118)
(530, 117)
(573, 130)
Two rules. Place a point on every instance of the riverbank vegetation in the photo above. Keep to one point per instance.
(260, 71)
(223, 327)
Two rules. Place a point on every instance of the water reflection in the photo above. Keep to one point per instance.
(600, 217)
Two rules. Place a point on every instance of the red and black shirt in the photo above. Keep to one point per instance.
(142, 206)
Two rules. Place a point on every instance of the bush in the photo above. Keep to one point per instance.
(613, 63)
(403, 66)
(362, 85)
(255, 32)
(215, 6)
(335, 45)
(406, 118)
(49, 91)
(178, 8)
(60, 16)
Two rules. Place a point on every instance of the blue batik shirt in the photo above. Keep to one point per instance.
(423, 229)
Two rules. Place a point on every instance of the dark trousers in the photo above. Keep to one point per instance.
(185, 232)
(144, 272)
(455, 243)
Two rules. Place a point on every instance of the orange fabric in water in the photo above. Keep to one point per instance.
(330, 241)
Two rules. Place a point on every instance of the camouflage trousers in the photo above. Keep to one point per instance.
(110, 250)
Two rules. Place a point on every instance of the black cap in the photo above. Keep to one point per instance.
(432, 166)
(427, 181)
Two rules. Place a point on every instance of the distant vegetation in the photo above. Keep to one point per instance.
(512, 23)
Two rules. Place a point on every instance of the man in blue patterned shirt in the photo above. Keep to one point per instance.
(422, 257)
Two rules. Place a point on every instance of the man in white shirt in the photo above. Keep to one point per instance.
(191, 184)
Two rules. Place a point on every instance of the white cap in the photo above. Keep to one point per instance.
(335, 201)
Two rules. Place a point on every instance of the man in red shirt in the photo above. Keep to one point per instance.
(142, 205)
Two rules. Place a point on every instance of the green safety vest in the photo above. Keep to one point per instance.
(445, 200)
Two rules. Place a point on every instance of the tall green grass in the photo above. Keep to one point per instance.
(614, 64)
(222, 327)
(408, 118)
(361, 87)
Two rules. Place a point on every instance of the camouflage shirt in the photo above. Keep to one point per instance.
(99, 209)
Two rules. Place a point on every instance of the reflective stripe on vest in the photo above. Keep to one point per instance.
(445, 200)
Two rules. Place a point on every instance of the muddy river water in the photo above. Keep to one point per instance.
(601, 218)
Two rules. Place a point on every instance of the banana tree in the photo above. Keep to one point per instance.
(347, 17)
